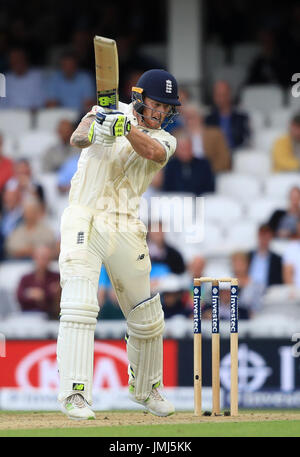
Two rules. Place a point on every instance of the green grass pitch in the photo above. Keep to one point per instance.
(118, 424)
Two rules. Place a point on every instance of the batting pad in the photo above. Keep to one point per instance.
(145, 346)
(75, 343)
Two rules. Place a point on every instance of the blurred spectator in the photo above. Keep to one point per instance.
(187, 173)
(40, 290)
(224, 308)
(284, 222)
(291, 261)
(70, 87)
(177, 123)
(24, 85)
(107, 299)
(66, 173)
(32, 231)
(173, 293)
(250, 291)
(233, 123)
(12, 210)
(56, 155)
(265, 266)
(130, 82)
(195, 269)
(208, 142)
(11, 217)
(158, 272)
(82, 46)
(160, 252)
(23, 180)
(6, 167)
(184, 95)
(269, 67)
(286, 149)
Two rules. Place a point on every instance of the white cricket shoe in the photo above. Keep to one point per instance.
(76, 407)
(155, 403)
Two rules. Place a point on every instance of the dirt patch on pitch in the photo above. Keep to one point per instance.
(40, 420)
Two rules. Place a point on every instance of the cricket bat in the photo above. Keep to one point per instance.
(107, 72)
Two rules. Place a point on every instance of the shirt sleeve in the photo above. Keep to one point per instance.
(169, 143)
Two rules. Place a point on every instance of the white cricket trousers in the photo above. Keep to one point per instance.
(90, 238)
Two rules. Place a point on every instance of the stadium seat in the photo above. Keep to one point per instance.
(233, 74)
(55, 201)
(293, 102)
(275, 324)
(49, 182)
(260, 210)
(35, 142)
(278, 185)
(214, 55)
(8, 302)
(264, 139)
(10, 146)
(279, 246)
(257, 120)
(218, 267)
(279, 119)
(210, 241)
(276, 295)
(47, 119)
(156, 51)
(241, 236)
(244, 53)
(61, 203)
(11, 272)
(221, 209)
(264, 98)
(238, 186)
(14, 122)
(172, 208)
(251, 162)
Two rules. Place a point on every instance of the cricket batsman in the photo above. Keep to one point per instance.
(121, 153)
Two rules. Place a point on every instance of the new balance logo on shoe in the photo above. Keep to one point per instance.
(77, 386)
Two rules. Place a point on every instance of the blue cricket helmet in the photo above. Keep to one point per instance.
(159, 85)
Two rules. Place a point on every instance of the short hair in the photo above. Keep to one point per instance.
(264, 228)
(68, 54)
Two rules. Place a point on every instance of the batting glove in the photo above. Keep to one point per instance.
(95, 135)
(114, 124)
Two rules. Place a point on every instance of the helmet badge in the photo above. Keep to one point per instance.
(168, 86)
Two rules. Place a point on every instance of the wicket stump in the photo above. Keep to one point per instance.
(216, 345)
